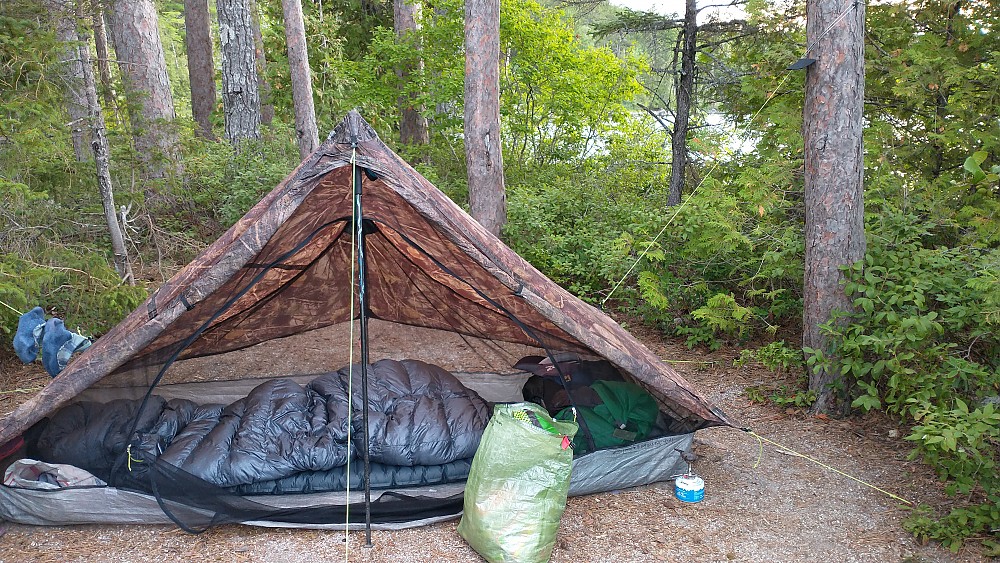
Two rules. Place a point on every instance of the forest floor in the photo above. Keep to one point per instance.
(762, 504)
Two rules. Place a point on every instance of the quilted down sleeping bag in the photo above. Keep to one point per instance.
(419, 415)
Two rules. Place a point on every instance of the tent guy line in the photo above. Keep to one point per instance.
(790, 451)
(350, 363)
(728, 152)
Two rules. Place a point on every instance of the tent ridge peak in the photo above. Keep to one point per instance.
(352, 129)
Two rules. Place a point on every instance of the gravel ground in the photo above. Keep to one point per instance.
(761, 503)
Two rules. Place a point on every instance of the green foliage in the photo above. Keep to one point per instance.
(48, 258)
(974, 166)
(84, 290)
(934, 92)
(558, 96)
(723, 314)
(919, 336)
(568, 228)
(782, 395)
(35, 149)
(734, 269)
(922, 344)
(781, 359)
(228, 183)
(776, 356)
(961, 444)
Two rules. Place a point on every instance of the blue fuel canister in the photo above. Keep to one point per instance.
(689, 488)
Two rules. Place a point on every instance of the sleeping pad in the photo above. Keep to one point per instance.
(419, 415)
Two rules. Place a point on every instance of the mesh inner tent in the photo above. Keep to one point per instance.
(277, 299)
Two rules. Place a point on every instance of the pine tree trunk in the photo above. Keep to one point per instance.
(834, 172)
(136, 37)
(103, 59)
(685, 91)
(306, 132)
(240, 97)
(412, 125)
(99, 146)
(263, 87)
(201, 64)
(71, 76)
(487, 198)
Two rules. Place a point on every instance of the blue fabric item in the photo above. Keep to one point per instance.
(58, 346)
(28, 337)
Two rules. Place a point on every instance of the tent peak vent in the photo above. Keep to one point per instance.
(353, 130)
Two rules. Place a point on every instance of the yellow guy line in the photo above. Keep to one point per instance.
(677, 209)
(760, 454)
(350, 364)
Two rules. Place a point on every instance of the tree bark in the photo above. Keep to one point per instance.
(99, 146)
(487, 198)
(71, 76)
(136, 37)
(263, 87)
(685, 90)
(412, 125)
(103, 60)
(306, 132)
(201, 64)
(240, 96)
(834, 172)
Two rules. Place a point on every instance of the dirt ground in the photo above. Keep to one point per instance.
(762, 503)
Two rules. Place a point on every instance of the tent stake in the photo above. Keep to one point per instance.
(363, 321)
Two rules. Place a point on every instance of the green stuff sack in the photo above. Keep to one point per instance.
(517, 486)
(626, 415)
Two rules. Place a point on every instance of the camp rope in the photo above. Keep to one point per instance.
(128, 452)
(21, 390)
(350, 359)
(728, 152)
(19, 313)
(678, 208)
(790, 451)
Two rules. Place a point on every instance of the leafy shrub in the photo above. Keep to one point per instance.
(779, 358)
(572, 231)
(922, 333)
(924, 344)
(228, 182)
(962, 445)
(58, 257)
(776, 356)
(82, 289)
(782, 395)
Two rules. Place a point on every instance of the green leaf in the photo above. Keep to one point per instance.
(973, 165)
(867, 402)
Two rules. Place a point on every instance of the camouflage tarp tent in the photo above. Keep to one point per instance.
(280, 282)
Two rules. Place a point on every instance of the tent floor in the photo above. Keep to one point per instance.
(613, 469)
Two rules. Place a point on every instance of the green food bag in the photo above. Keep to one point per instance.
(517, 486)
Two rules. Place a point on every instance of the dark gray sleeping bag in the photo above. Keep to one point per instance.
(419, 414)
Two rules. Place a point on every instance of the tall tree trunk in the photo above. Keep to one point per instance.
(306, 132)
(834, 172)
(99, 146)
(685, 90)
(487, 198)
(136, 37)
(263, 87)
(103, 60)
(201, 64)
(240, 97)
(412, 125)
(71, 76)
